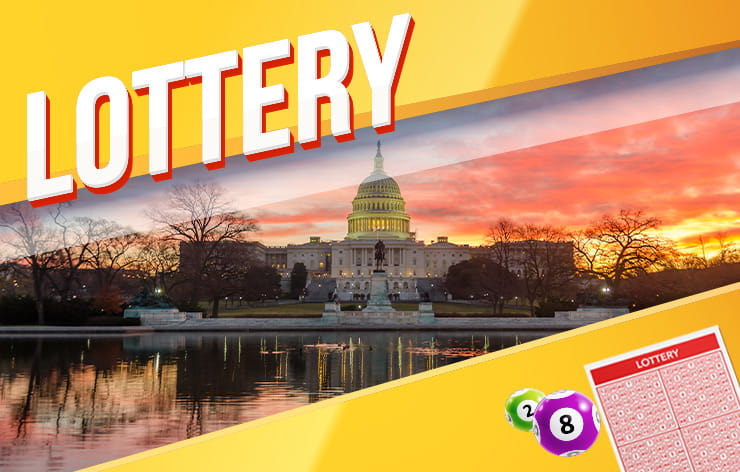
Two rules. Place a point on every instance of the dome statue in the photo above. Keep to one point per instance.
(378, 209)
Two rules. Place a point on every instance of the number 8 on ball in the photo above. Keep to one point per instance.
(566, 423)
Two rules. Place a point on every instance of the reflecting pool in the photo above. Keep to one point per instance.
(71, 402)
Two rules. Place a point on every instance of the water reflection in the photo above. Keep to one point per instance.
(70, 403)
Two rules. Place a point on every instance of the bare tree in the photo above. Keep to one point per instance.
(499, 237)
(35, 244)
(76, 234)
(9, 275)
(109, 256)
(227, 273)
(199, 216)
(690, 261)
(541, 256)
(481, 277)
(546, 257)
(728, 251)
(702, 260)
(157, 262)
(621, 247)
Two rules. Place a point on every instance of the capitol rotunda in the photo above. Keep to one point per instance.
(344, 268)
(378, 209)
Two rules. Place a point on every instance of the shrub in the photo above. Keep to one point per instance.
(17, 310)
(352, 307)
(109, 301)
(69, 313)
(21, 310)
(548, 308)
(187, 306)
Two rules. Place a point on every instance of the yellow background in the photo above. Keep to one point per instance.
(447, 419)
(460, 53)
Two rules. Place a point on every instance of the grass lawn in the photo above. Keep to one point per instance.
(299, 310)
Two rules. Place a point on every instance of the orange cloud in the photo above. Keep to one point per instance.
(684, 169)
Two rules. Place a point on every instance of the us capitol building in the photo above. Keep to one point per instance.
(343, 268)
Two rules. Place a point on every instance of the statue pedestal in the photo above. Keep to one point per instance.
(379, 301)
(331, 312)
(136, 312)
(426, 313)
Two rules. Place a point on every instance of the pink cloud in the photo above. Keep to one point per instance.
(680, 168)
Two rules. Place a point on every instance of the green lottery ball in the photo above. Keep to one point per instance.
(520, 408)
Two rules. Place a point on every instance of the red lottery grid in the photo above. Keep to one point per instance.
(672, 406)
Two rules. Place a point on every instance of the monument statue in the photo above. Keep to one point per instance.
(154, 308)
(146, 298)
(379, 255)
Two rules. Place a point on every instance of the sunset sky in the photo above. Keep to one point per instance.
(684, 170)
(664, 139)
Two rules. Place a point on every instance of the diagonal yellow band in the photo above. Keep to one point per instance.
(459, 54)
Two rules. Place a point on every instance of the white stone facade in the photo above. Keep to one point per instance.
(378, 213)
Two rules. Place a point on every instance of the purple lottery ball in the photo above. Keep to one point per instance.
(566, 423)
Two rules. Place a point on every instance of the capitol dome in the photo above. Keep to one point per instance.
(378, 209)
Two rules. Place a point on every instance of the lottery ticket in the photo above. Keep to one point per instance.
(672, 406)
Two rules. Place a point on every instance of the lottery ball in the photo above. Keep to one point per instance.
(566, 423)
(520, 408)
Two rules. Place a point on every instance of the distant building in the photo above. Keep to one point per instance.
(517, 256)
(193, 253)
(344, 268)
(378, 213)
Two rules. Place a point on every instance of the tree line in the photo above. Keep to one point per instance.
(197, 252)
(55, 258)
(553, 268)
